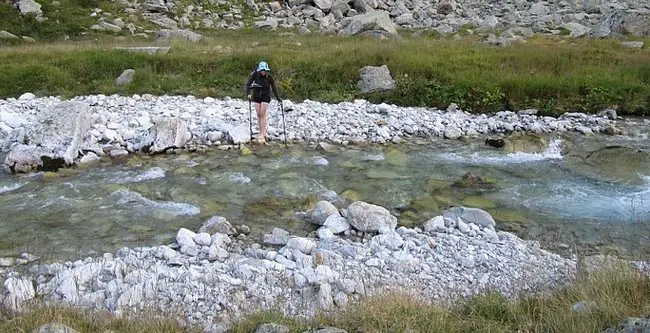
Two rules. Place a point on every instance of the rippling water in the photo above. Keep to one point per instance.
(143, 200)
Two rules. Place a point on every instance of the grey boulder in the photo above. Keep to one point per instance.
(375, 79)
(367, 217)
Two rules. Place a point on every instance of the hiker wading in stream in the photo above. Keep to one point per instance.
(260, 82)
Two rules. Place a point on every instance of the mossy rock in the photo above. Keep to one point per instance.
(270, 207)
(138, 228)
(509, 220)
(507, 215)
(350, 165)
(245, 151)
(61, 173)
(211, 208)
(134, 161)
(396, 157)
(446, 200)
(424, 203)
(527, 143)
(383, 174)
(476, 201)
(434, 184)
(351, 195)
(470, 181)
(185, 171)
(410, 219)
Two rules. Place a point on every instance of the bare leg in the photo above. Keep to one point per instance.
(261, 116)
(257, 111)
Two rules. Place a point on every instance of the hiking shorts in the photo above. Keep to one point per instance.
(261, 99)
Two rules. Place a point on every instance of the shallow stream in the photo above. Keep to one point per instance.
(573, 194)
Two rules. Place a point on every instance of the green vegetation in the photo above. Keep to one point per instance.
(612, 295)
(85, 321)
(551, 75)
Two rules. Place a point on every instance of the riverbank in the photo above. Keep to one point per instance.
(553, 74)
(49, 133)
(215, 278)
(613, 297)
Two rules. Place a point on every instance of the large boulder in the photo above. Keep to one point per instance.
(370, 218)
(16, 293)
(125, 78)
(376, 23)
(618, 164)
(29, 7)
(166, 134)
(527, 143)
(470, 215)
(623, 22)
(165, 34)
(55, 137)
(374, 79)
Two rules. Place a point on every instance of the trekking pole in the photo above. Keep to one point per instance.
(284, 125)
(250, 119)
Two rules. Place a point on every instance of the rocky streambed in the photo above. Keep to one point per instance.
(214, 276)
(47, 133)
(344, 212)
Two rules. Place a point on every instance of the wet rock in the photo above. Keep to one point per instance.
(370, 218)
(217, 224)
(327, 147)
(468, 180)
(527, 143)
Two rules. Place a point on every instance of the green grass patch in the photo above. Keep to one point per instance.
(553, 76)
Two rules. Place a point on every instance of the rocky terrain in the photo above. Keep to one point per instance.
(215, 275)
(501, 22)
(48, 133)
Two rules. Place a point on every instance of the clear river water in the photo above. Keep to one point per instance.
(575, 193)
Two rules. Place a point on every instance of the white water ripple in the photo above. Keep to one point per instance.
(176, 208)
(552, 152)
(153, 173)
(9, 188)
